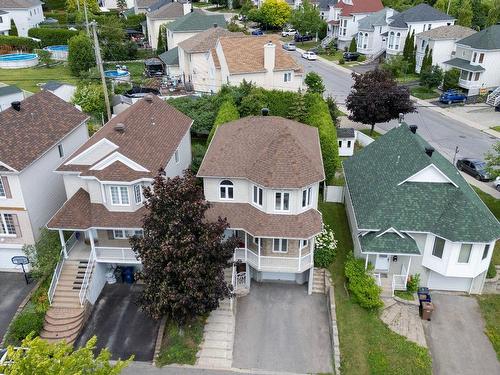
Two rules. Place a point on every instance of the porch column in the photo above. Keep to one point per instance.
(408, 270)
(246, 245)
(311, 281)
(247, 278)
(366, 261)
(300, 253)
(63, 243)
(92, 244)
(258, 247)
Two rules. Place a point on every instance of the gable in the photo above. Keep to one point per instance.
(430, 174)
(116, 156)
(94, 153)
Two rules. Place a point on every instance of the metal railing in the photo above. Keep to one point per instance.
(494, 98)
(269, 263)
(399, 281)
(115, 254)
(378, 279)
(86, 277)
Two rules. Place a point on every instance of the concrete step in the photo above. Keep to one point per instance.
(68, 305)
(62, 321)
(57, 313)
(67, 292)
(69, 339)
(59, 327)
(220, 312)
(216, 318)
(219, 327)
(66, 298)
(218, 344)
(218, 336)
(58, 332)
(216, 363)
(215, 353)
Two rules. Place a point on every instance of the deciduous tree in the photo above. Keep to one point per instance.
(78, 5)
(314, 83)
(306, 19)
(275, 13)
(182, 253)
(492, 159)
(450, 79)
(431, 77)
(90, 97)
(80, 54)
(376, 97)
(465, 13)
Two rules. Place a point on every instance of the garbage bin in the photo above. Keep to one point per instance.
(427, 309)
(424, 295)
(128, 275)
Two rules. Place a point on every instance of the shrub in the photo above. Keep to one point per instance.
(450, 79)
(198, 152)
(252, 104)
(413, 283)
(227, 112)
(80, 54)
(50, 37)
(361, 284)
(492, 271)
(333, 109)
(44, 255)
(202, 110)
(324, 248)
(314, 83)
(431, 77)
(280, 102)
(353, 46)
(26, 322)
(361, 58)
(18, 43)
(44, 57)
(341, 61)
(91, 98)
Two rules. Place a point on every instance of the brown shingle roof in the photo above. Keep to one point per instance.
(153, 131)
(246, 54)
(206, 40)
(447, 32)
(271, 151)
(44, 119)
(169, 11)
(79, 213)
(259, 224)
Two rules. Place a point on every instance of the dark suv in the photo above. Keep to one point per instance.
(350, 56)
(476, 168)
(303, 38)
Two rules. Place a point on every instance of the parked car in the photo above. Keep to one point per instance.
(475, 168)
(290, 46)
(452, 96)
(302, 38)
(257, 32)
(496, 183)
(350, 56)
(309, 55)
(288, 32)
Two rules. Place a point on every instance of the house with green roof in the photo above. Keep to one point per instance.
(192, 24)
(477, 59)
(412, 212)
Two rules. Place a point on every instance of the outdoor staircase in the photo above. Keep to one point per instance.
(327, 40)
(319, 281)
(66, 316)
(494, 98)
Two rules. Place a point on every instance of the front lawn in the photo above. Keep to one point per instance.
(424, 93)
(408, 78)
(336, 56)
(494, 205)
(29, 78)
(490, 308)
(496, 128)
(367, 346)
(181, 347)
(404, 295)
(374, 134)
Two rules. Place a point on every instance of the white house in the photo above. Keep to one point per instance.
(36, 135)
(162, 13)
(113, 4)
(344, 16)
(441, 42)
(372, 34)
(411, 212)
(4, 22)
(104, 181)
(262, 173)
(477, 58)
(346, 138)
(63, 90)
(9, 94)
(418, 19)
(141, 6)
(26, 14)
(170, 60)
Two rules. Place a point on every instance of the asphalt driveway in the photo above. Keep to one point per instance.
(13, 290)
(456, 338)
(281, 328)
(120, 325)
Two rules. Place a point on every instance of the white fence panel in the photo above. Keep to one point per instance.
(363, 139)
(334, 194)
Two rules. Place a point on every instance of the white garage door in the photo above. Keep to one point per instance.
(6, 255)
(439, 282)
(278, 276)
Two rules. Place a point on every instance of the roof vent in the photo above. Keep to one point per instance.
(16, 105)
(148, 98)
(120, 127)
(413, 129)
(429, 150)
(265, 111)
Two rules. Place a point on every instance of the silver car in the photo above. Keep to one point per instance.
(290, 46)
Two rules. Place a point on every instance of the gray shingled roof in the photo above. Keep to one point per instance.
(447, 32)
(464, 64)
(197, 21)
(7, 90)
(486, 39)
(206, 40)
(375, 19)
(168, 11)
(19, 4)
(345, 133)
(52, 85)
(170, 57)
(420, 13)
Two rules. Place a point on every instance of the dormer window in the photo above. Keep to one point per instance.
(281, 201)
(226, 189)
(119, 195)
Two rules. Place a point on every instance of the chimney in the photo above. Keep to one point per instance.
(120, 127)
(215, 25)
(413, 129)
(269, 56)
(16, 105)
(429, 151)
(265, 111)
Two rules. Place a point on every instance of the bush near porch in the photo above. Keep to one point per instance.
(367, 345)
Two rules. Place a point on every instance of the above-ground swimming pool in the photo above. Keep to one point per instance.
(59, 52)
(118, 75)
(18, 60)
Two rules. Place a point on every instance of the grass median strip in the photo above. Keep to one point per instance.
(490, 307)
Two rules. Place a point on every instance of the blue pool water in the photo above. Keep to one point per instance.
(61, 48)
(115, 73)
(18, 56)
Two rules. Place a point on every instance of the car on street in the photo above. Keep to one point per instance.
(351, 56)
(302, 38)
(452, 96)
(288, 32)
(290, 46)
(257, 32)
(475, 168)
(309, 55)
(496, 183)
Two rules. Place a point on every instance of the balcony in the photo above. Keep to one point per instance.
(466, 84)
(274, 263)
(122, 255)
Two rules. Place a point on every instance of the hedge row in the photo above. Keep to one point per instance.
(318, 116)
(51, 37)
(361, 284)
(227, 112)
(18, 43)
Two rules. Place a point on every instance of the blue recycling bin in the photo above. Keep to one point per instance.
(128, 275)
(424, 295)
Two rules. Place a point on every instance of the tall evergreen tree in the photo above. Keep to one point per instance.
(353, 46)
(298, 111)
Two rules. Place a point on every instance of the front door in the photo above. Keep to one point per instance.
(382, 262)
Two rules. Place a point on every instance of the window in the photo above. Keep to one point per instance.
(474, 57)
(476, 76)
(423, 45)
(138, 193)
(61, 150)
(340, 143)
(464, 255)
(7, 227)
(429, 26)
(348, 144)
(303, 243)
(280, 245)
(120, 234)
(256, 240)
(287, 77)
(438, 248)
(226, 189)
(257, 195)
(365, 41)
(481, 57)
(3, 194)
(176, 156)
(1, 20)
(282, 201)
(119, 195)
(306, 197)
(485, 252)
(391, 39)
(398, 39)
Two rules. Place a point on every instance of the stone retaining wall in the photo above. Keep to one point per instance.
(334, 332)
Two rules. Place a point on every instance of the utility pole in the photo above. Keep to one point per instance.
(448, 9)
(86, 17)
(98, 61)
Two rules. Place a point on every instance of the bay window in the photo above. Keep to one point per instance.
(307, 197)
(257, 195)
(438, 248)
(280, 245)
(119, 195)
(464, 255)
(138, 193)
(119, 234)
(281, 201)
(485, 252)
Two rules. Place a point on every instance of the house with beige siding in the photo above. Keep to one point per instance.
(262, 173)
(36, 135)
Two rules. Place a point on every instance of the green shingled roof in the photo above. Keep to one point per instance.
(197, 21)
(389, 242)
(485, 39)
(380, 200)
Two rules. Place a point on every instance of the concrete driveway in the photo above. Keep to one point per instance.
(13, 290)
(281, 328)
(120, 325)
(456, 338)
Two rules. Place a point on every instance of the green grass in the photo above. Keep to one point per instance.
(374, 134)
(202, 5)
(496, 128)
(490, 308)
(28, 78)
(404, 295)
(181, 347)
(336, 56)
(408, 78)
(367, 346)
(494, 205)
(424, 93)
